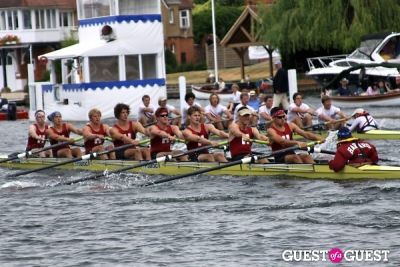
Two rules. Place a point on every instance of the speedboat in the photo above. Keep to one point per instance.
(366, 60)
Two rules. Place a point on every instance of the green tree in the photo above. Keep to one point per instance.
(225, 16)
(303, 27)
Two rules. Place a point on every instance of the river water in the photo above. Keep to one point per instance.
(196, 221)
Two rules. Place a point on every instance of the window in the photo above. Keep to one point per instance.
(12, 19)
(129, 7)
(3, 18)
(26, 14)
(40, 19)
(91, 8)
(171, 16)
(103, 69)
(149, 63)
(66, 19)
(184, 19)
(183, 58)
(132, 67)
(51, 18)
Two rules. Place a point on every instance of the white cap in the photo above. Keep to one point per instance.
(244, 111)
(357, 111)
(162, 98)
(252, 92)
(344, 80)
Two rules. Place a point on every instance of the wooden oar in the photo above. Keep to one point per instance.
(142, 164)
(29, 153)
(245, 160)
(84, 157)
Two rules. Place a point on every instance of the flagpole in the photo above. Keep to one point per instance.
(214, 41)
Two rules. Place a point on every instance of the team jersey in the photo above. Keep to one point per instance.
(285, 134)
(64, 132)
(238, 146)
(130, 132)
(37, 143)
(161, 144)
(353, 152)
(203, 133)
(91, 143)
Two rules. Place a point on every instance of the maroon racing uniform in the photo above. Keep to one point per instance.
(285, 134)
(203, 133)
(131, 133)
(353, 152)
(37, 143)
(64, 132)
(161, 144)
(239, 147)
(91, 143)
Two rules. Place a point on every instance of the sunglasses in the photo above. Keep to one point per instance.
(163, 115)
(281, 117)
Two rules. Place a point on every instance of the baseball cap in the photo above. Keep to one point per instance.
(162, 98)
(244, 111)
(357, 111)
(252, 92)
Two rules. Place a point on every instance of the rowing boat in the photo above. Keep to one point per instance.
(310, 171)
(370, 135)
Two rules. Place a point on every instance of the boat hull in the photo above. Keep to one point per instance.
(389, 99)
(309, 171)
(205, 94)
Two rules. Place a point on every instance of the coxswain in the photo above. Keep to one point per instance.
(363, 121)
(124, 132)
(281, 136)
(59, 133)
(352, 151)
(94, 134)
(241, 135)
(38, 135)
(196, 133)
(163, 134)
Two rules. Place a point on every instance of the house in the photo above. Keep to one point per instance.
(29, 28)
(178, 29)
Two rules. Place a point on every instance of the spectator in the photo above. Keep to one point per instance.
(343, 89)
(281, 87)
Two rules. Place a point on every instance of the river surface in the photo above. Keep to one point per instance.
(197, 221)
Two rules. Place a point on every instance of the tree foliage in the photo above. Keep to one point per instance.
(225, 16)
(325, 25)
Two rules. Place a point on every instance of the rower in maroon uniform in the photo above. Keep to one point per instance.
(196, 133)
(352, 151)
(38, 135)
(94, 133)
(124, 132)
(162, 135)
(240, 135)
(280, 135)
(58, 133)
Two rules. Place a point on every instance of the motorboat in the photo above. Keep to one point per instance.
(367, 60)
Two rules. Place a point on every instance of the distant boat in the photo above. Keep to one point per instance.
(373, 49)
(388, 99)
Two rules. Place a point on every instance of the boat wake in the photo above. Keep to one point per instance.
(19, 185)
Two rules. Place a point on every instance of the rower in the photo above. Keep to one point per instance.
(244, 102)
(94, 133)
(38, 135)
(214, 112)
(363, 121)
(299, 112)
(281, 136)
(146, 111)
(264, 113)
(189, 102)
(162, 103)
(124, 132)
(196, 133)
(328, 113)
(59, 132)
(162, 135)
(352, 151)
(240, 135)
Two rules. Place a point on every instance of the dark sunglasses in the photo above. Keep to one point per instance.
(281, 117)
(163, 115)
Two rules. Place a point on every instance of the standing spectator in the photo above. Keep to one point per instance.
(280, 86)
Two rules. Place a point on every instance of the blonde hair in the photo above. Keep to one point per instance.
(94, 111)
